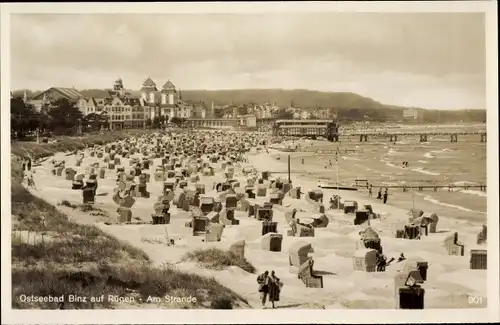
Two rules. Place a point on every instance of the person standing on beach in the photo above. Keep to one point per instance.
(370, 191)
(274, 288)
(379, 195)
(263, 281)
(385, 195)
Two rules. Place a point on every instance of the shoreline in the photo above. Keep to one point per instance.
(309, 182)
(467, 205)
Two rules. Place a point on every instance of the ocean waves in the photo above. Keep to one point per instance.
(431, 154)
(427, 172)
(454, 206)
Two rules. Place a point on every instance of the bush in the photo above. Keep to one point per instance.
(68, 204)
(218, 259)
(223, 302)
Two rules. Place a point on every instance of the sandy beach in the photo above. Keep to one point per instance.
(450, 280)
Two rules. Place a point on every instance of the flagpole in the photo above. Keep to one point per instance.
(337, 163)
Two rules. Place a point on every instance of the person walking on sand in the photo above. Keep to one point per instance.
(370, 191)
(263, 281)
(275, 286)
(379, 195)
(31, 180)
(385, 195)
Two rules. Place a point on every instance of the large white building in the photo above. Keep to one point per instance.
(166, 102)
(410, 114)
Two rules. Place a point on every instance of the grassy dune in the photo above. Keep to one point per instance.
(76, 259)
(218, 259)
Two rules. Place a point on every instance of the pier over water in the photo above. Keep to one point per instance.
(329, 129)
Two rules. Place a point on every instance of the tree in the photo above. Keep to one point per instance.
(156, 122)
(65, 116)
(24, 118)
(243, 110)
(178, 120)
(95, 121)
(148, 122)
(284, 114)
(105, 121)
(218, 112)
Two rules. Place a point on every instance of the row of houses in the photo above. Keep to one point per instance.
(269, 111)
(130, 109)
(321, 113)
(125, 108)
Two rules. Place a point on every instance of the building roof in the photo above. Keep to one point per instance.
(317, 126)
(96, 93)
(168, 86)
(290, 122)
(149, 84)
(69, 93)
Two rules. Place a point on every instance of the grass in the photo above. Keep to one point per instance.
(218, 259)
(84, 208)
(83, 260)
(67, 143)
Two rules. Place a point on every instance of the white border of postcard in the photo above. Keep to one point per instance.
(489, 314)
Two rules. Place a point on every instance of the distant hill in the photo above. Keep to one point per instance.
(349, 105)
(283, 98)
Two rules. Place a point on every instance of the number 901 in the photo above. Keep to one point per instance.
(475, 300)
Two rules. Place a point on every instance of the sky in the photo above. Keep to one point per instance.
(430, 60)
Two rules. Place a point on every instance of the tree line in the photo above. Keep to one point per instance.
(62, 117)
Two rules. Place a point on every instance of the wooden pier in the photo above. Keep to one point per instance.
(423, 136)
(420, 188)
(330, 129)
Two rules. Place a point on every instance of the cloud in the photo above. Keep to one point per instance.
(419, 54)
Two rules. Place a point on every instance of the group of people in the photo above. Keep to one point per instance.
(269, 286)
(384, 196)
(28, 173)
(379, 196)
(382, 261)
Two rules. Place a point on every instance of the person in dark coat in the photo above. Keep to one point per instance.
(274, 288)
(385, 195)
(381, 262)
(263, 281)
(379, 195)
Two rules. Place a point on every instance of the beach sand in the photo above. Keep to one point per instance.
(449, 283)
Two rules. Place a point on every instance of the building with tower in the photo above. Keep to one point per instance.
(165, 102)
(124, 108)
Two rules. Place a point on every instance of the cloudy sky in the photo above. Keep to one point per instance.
(432, 60)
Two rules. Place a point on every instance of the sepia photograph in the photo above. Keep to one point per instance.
(210, 157)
